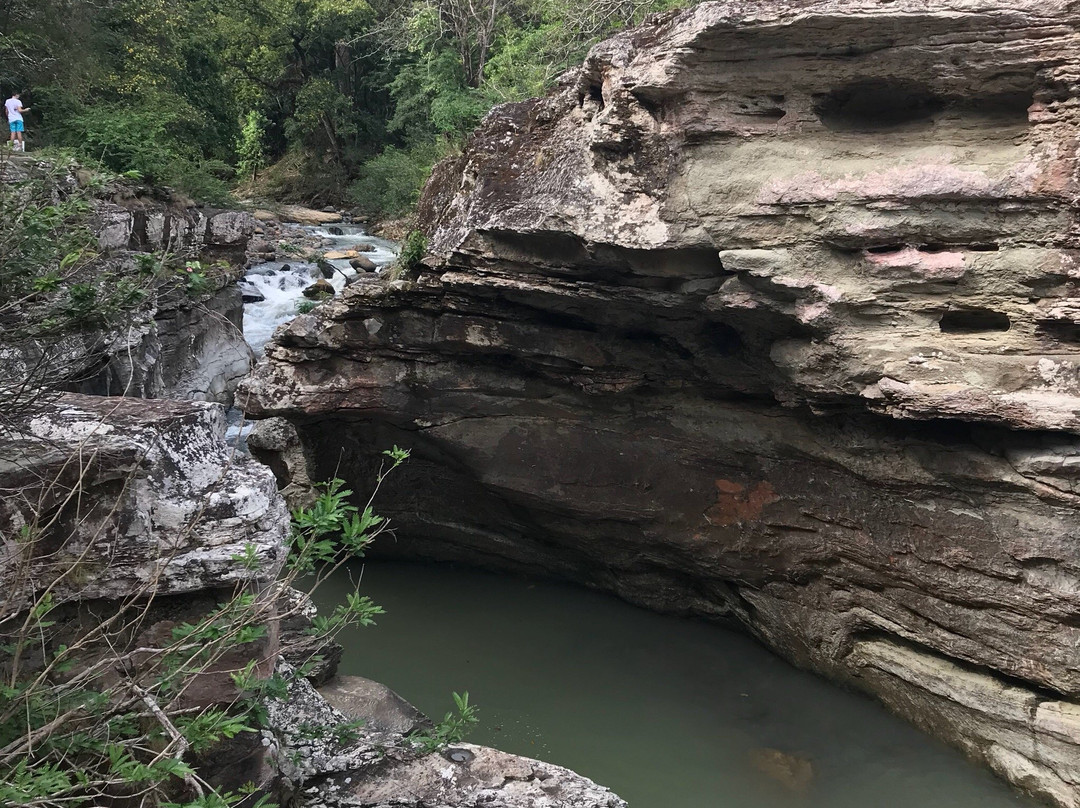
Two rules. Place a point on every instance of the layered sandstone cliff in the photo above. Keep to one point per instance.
(770, 313)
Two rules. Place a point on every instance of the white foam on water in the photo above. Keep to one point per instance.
(282, 289)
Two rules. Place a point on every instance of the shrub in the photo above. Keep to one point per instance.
(151, 139)
(389, 184)
(413, 250)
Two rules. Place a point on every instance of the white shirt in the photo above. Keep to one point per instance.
(13, 105)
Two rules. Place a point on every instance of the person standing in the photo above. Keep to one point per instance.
(15, 109)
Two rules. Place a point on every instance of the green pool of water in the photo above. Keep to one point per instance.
(669, 713)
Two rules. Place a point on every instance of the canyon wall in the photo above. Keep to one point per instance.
(177, 343)
(130, 530)
(768, 314)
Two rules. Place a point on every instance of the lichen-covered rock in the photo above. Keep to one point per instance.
(466, 776)
(132, 493)
(769, 313)
(132, 514)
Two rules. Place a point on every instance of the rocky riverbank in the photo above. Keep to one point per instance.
(766, 315)
(189, 508)
(128, 521)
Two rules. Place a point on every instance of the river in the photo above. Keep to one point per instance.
(669, 713)
(281, 283)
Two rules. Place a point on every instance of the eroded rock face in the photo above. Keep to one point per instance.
(132, 514)
(769, 314)
(177, 343)
(135, 494)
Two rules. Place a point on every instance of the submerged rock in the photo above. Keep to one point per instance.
(793, 772)
(768, 314)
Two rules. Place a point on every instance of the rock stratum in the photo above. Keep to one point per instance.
(769, 314)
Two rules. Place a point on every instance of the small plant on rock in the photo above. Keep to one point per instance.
(413, 250)
(453, 728)
(197, 282)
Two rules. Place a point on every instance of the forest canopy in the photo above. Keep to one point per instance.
(328, 101)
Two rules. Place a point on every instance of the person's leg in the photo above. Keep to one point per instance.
(20, 146)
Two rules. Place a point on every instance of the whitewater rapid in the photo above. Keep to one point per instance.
(281, 283)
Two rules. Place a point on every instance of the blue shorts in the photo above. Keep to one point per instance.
(16, 126)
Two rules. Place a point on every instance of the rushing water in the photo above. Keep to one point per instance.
(669, 713)
(281, 283)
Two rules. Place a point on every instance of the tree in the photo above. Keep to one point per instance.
(251, 149)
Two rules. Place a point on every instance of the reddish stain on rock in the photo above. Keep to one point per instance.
(736, 503)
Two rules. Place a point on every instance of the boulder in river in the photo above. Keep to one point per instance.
(340, 255)
(363, 263)
(326, 269)
(335, 231)
(302, 215)
(322, 288)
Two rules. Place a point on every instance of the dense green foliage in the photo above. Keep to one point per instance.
(363, 93)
